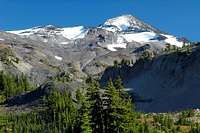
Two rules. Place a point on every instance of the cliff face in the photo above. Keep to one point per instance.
(169, 82)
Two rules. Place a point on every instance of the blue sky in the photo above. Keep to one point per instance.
(178, 17)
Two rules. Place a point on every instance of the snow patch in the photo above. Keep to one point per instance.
(119, 44)
(140, 37)
(64, 43)
(45, 40)
(112, 47)
(1, 39)
(26, 32)
(120, 39)
(110, 28)
(173, 40)
(73, 32)
(58, 58)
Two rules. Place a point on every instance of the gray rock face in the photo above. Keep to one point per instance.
(170, 82)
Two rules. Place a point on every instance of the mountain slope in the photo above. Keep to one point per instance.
(171, 81)
(166, 83)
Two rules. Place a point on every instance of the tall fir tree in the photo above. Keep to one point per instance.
(62, 111)
(83, 118)
(96, 107)
(118, 84)
(119, 114)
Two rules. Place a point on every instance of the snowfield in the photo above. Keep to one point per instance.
(64, 43)
(109, 28)
(145, 37)
(73, 33)
(112, 47)
(58, 58)
(142, 37)
(1, 39)
(119, 44)
(26, 32)
(173, 40)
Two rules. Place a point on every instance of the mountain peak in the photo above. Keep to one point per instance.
(122, 22)
(129, 22)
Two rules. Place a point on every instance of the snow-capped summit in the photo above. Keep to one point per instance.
(134, 30)
(122, 22)
(128, 23)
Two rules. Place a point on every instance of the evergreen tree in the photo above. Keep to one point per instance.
(116, 64)
(62, 111)
(119, 114)
(11, 85)
(120, 88)
(79, 101)
(96, 107)
(85, 117)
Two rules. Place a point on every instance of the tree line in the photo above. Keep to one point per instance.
(11, 85)
(92, 109)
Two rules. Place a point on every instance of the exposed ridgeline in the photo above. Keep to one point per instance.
(168, 82)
